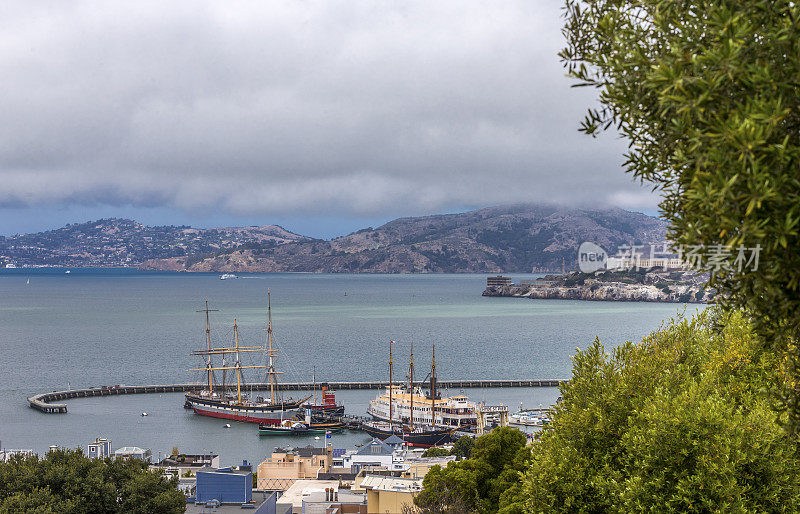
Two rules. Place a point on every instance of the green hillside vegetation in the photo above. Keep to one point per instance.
(678, 422)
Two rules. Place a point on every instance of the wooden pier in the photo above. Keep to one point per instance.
(44, 402)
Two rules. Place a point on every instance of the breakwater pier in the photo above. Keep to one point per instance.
(47, 402)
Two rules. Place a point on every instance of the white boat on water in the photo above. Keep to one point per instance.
(226, 276)
(529, 418)
(401, 404)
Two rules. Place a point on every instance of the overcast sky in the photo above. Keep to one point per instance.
(323, 116)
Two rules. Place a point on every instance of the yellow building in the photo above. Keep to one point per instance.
(388, 495)
(285, 467)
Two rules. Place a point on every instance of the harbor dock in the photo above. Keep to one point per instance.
(44, 402)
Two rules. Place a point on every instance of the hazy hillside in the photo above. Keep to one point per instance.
(122, 242)
(510, 239)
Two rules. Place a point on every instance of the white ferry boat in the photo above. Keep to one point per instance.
(226, 276)
(454, 411)
(410, 405)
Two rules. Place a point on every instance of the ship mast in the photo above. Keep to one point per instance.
(391, 423)
(209, 365)
(433, 388)
(210, 351)
(238, 363)
(271, 352)
(411, 370)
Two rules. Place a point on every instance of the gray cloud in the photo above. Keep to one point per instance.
(357, 107)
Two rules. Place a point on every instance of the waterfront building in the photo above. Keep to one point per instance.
(7, 454)
(374, 455)
(390, 494)
(313, 496)
(224, 485)
(99, 449)
(133, 452)
(187, 464)
(285, 466)
(498, 281)
(636, 261)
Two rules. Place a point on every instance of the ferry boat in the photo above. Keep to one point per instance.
(414, 434)
(228, 403)
(397, 402)
(226, 276)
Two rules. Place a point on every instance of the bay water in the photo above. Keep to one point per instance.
(92, 328)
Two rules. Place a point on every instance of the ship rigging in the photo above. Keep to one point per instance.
(222, 403)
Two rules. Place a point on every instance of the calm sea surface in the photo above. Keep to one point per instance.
(106, 327)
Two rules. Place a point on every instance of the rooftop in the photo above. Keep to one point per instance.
(304, 489)
(375, 447)
(397, 484)
(302, 451)
(259, 497)
(131, 450)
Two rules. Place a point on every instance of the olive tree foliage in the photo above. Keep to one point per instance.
(676, 423)
(67, 481)
(486, 482)
(707, 93)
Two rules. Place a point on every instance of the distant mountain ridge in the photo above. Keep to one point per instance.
(123, 242)
(519, 238)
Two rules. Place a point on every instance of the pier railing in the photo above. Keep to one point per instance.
(45, 402)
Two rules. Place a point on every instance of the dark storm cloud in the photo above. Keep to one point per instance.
(264, 107)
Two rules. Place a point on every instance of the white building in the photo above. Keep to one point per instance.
(374, 455)
(133, 452)
(99, 449)
(7, 454)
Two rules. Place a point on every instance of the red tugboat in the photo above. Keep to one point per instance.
(224, 402)
(328, 407)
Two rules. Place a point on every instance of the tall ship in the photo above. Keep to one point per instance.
(414, 431)
(231, 401)
(398, 402)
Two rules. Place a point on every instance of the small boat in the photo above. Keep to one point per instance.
(534, 418)
(294, 427)
(67, 272)
(226, 276)
(291, 428)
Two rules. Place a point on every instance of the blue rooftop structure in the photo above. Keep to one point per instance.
(224, 485)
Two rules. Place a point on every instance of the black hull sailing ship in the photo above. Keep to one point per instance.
(222, 402)
(411, 434)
